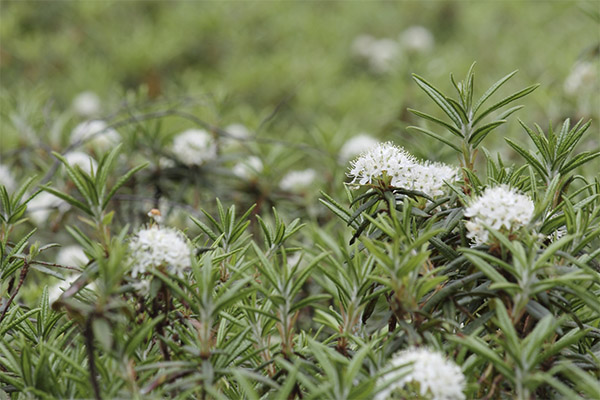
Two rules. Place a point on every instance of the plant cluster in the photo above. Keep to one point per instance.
(432, 282)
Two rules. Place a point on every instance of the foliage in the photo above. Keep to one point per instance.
(297, 295)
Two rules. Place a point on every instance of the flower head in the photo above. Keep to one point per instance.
(435, 375)
(357, 145)
(97, 132)
(297, 181)
(379, 53)
(41, 206)
(249, 168)
(194, 147)
(72, 256)
(86, 104)
(7, 179)
(417, 38)
(583, 74)
(500, 207)
(158, 247)
(403, 170)
(82, 160)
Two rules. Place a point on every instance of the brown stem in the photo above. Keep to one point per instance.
(24, 272)
(89, 344)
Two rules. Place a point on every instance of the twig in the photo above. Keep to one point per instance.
(89, 344)
(24, 272)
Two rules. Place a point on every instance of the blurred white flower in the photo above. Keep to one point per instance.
(361, 46)
(380, 54)
(87, 104)
(402, 168)
(298, 181)
(96, 134)
(237, 131)
(249, 168)
(156, 247)
(42, 205)
(356, 146)
(82, 160)
(500, 207)
(194, 147)
(72, 256)
(7, 179)
(57, 289)
(582, 75)
(417, 39)
(434, 375)
(383, 54)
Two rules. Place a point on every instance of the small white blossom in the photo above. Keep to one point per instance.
(584, 74)
(402, 168)
(238, 131)
(156, 247)
(194, 147)
(379, 53)
(82, 160)
(298, 181)
(87, 104)
(417, 38)
(72, 256)
(42, 205)
(430, 178)
(7, 179)
(361, 46)
(499, 207)
(356, 146)
(249, 168)
(96, 134)
(436, 377)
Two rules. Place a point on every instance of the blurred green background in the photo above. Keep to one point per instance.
(286, 70)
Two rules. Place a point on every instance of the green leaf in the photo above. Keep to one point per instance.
(439, 99)
(69, 199)
(435, 136)
(506, 101)
(480, 133)
(530, 159)
(492, 90)
(122, 180)
(437, 121)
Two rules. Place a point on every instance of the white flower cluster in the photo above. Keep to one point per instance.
(156, 247)
(87, 104)
(404, 170)
(7, 179)
(381, 54)
(417, 38)
(194, 147)
(96, 134)
(42, 205)
(498, 207)
(249, 168)
(583, 75)
(298, 181)
(357, 145)
(82, 160)
(72, 256)
(436, 377)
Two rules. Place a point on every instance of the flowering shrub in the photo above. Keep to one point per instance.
(426, 281)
